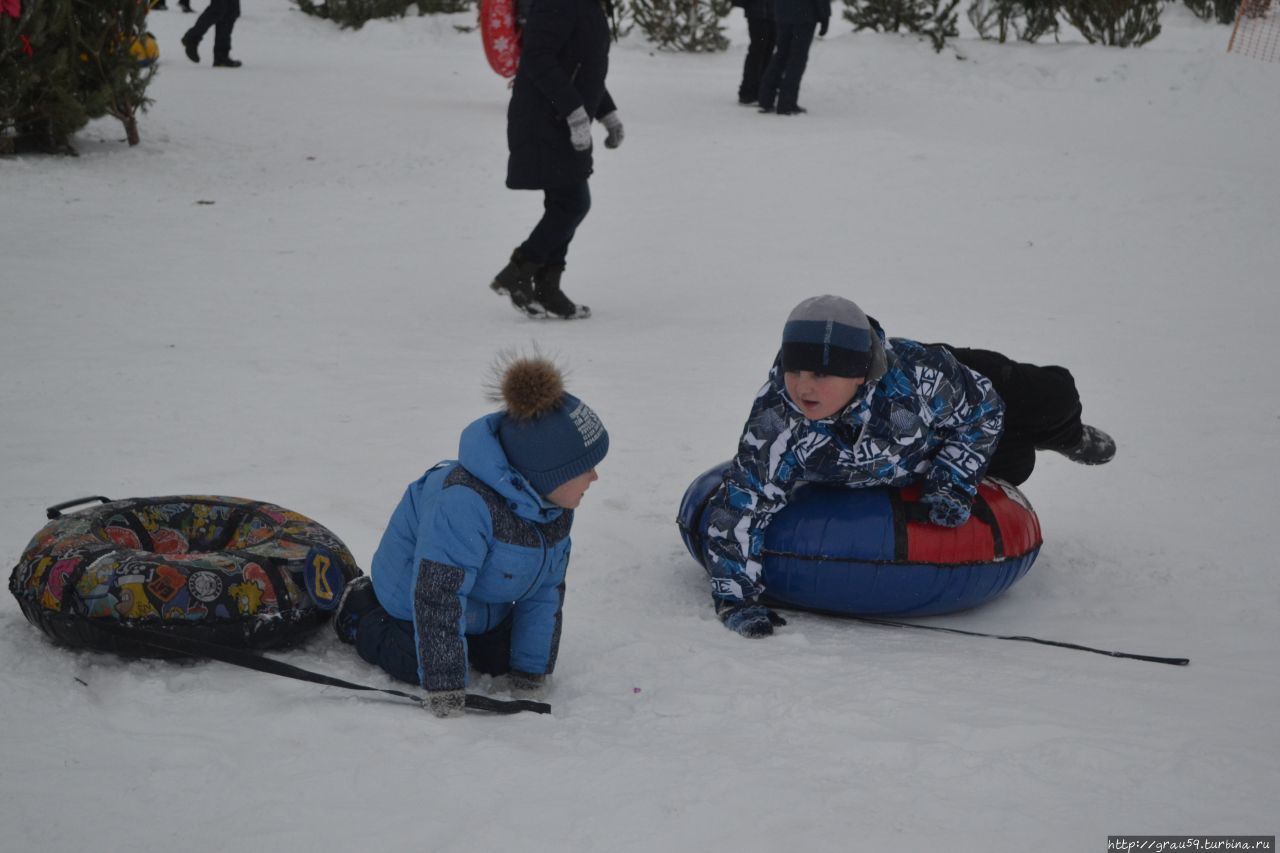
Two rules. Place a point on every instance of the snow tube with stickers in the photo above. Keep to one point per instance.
(855, 552)
(230, 571)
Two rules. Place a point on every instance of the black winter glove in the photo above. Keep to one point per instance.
(824, 26)
(749, 620)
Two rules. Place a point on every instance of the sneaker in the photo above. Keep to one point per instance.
(747, 101)
(515, 281)
(357, 599)
(159, 5)
(1094, 448)
(226, 62)
(550, 298)
(190, 44)
(792, 111)
(185, 5)
(765, 108)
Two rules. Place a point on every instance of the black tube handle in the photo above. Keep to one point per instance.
(55, 511)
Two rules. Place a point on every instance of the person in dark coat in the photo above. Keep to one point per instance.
(221, 15)
(796, 21)
(558, 90)
(763, 36)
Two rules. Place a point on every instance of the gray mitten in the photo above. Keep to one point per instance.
(613, 124)
(579, 129)
(525, 685)
(446, 703)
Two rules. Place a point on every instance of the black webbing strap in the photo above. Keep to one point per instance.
(893, 624)
(260, 663)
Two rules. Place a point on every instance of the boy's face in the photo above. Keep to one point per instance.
(569, 494)
(819, 395)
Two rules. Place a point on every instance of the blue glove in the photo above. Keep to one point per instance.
(946, 508)
(749, 620)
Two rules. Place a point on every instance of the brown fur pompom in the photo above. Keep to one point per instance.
(527, 386)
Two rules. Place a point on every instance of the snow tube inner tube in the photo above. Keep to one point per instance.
(224, 570)
(854, 552)
(500, 35)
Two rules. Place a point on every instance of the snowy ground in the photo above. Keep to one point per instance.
(281, 295)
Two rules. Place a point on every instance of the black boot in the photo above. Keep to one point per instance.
(547, 293)
(516, 281)
(1094, 448)
(185, 5)
(225, 61)
(190, 43)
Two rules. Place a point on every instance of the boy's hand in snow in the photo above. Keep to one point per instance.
(749, 620)
(614, 125)
(446, 703)
(525, 685)
(579, 130)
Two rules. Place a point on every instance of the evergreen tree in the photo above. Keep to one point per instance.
(64, 62)
(354, 14)
(1026, 20)
(1120, 23)
(933, 19)
(690, 25)
(1222, 10)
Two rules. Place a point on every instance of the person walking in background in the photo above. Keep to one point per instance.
(763, 35)
(558, 90)
(796, 21)
(221, 16)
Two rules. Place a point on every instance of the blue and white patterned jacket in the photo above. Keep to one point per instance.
(928, 418)
(469, 543)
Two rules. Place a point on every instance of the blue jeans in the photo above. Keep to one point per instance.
(564, 208)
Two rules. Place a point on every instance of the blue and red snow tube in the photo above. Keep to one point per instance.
(856, 551)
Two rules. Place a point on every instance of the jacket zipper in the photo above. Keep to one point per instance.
(542, 566)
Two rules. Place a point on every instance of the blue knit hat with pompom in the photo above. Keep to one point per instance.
(549, 435)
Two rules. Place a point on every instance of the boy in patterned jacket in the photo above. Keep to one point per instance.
(848, 406)
(470, 573)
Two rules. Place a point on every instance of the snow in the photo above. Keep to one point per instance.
(281, 294)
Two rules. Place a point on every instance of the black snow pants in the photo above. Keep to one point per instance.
(1042, 410)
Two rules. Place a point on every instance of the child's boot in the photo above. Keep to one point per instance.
(191, 45)
(516, 282)
(1094, 448)
(547, 293)
(357, 599)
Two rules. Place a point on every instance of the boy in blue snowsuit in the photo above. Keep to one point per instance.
(470, 572)
(846, 405)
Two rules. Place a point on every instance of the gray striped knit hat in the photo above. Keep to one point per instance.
(831, 335)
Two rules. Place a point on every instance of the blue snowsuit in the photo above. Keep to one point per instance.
(470, 544)
(928, 418)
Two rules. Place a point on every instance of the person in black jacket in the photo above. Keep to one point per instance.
(558, 90)
(763, 35)
(796, 21)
